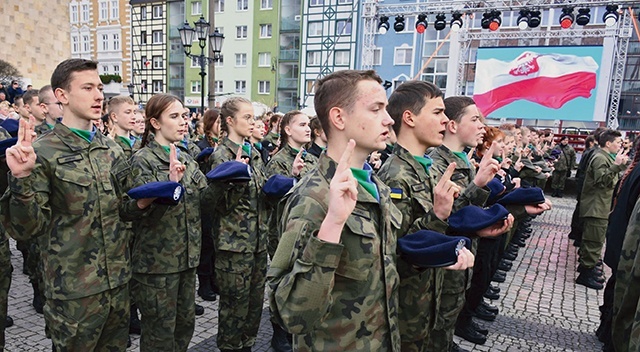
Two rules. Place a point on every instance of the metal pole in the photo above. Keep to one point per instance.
(202, 74)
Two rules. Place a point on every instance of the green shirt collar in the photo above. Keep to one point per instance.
(425, 161)
(130, 141)
(84, 134)
(363, 176)
(463, 156)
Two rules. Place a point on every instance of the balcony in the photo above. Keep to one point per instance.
(290, 24)
(288, 83)
(176, 57)
(289, 54)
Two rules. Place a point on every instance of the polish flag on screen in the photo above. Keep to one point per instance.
(550, 80)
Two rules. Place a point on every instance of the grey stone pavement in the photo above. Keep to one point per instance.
(541, 308)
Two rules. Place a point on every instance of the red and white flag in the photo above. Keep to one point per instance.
(550, 80)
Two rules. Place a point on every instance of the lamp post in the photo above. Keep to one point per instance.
(130, 89)
(201, 31)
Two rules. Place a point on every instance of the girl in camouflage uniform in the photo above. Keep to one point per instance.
(166, 245)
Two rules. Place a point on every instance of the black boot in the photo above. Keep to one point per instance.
(38, 301)
(281, 340)
(8, 322)
(488, 307)
(204, 289)
(199, 309)
(134, 321)
(478, 328)
(470, 334)
(456, 348)
(482, 313)
(491, 295)
(590, 279)
(499, 276)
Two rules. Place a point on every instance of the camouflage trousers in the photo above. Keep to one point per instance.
(450, 303)
(5, 282)
(593, 237)
(241, 279)
(95, 323)
(558, 179)
(167, 304)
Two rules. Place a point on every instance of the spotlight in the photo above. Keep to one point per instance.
(610, 17)
(421, 23)
(486, 20)
(440, 22)
(534, 18)
(523, 19)
(456, 21)
(583, 17)
(566, 18)
(398, 26)
(383, 25)
(496, 21)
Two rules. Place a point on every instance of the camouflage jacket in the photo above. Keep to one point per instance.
(337, 297)
(126, 147)
(167, 238)
(456, 281)
(5, 252)
(566, 158)
(43, 128)
(625, 328)
(600, 179)
(241, 217)
(72, 197)
(282, 162)
(412, 192)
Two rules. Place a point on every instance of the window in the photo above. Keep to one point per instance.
(115, 11)
(116, 69)
(105, 42)
(157, 86)
(116, 41)
(74, 13)
(313, 58)
(195, 62)
(343, 27)
(219, 62)
(264, 87)
(315, 29)
(157, 62)
(85, 13)
(265, 31)
(403, 56)
(143, 37)
(377, 56)
(196, 8)
(242, 5)
(266, 4)
(86, 43)
(310, 86)
(218, 6)
(436, 73)
(264, 59)
(195, 86)
(103, 11)
(157, 13)
(241, 86)
(143, 12)
(104, 69)
(218, 86)
(156, 37)
(341, 57)
(143, 86)
(144, 62)
(75, 45)
(241, 60)
(241, 32)
(343, 2)
(315, 2)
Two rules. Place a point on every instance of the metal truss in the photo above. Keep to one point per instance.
(620, 61)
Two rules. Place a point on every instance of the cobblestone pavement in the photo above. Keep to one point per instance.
(541, 308)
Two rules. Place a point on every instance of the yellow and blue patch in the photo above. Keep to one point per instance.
(396, 193)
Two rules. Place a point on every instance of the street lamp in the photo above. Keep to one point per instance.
(130, 89)
(201, 31)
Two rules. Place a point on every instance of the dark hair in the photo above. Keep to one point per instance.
(412, 96)
(28, 96)
(608, 136)
(209, 120)
(42, 94)
(284, 122)
(16, 98)
(563, 138)
(61, 77)
(454, 107)
(154, 108)
(339, 89)
(314, 124)
(273, 119)
(589, 140)
(230, 108)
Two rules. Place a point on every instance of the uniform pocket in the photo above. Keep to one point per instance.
(361, 246)
(74, 190)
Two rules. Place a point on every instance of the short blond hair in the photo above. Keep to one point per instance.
(117, 101)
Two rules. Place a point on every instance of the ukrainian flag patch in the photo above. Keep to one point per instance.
(396, 193)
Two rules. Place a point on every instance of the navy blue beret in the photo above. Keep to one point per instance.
(278, 185)
(230, 171)
(204, 153)
(430, 249)
(11, 125)
(6, 144)
(496, 188)
(167, 192)
(523, 196)
(473, 218)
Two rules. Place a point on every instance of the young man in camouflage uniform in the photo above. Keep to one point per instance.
(51, 109)
(66, 186)
(333, 278)
(417, 109)
(121, 110)
(563, 165)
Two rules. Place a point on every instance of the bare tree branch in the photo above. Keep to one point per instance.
(8, 71)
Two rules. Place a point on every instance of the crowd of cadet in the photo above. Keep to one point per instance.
(377, 225)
